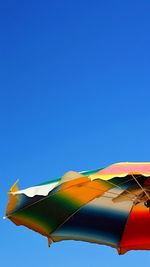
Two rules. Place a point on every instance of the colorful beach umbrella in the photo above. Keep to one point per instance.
(107, 206)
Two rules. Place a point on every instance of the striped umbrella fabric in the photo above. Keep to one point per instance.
(107, 206)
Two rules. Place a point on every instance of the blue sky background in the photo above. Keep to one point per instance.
(74, 95)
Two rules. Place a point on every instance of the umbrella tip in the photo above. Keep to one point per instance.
(121, 250)
(50, 241)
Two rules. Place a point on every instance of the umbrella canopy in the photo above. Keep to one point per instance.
(106, 206)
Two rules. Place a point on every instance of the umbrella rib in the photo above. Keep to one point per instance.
(109, 192)
(45, 197)
(122, 189)
(135, 179)
(81, 208)
(140, 186)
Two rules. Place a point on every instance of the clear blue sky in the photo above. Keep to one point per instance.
(74, 95)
